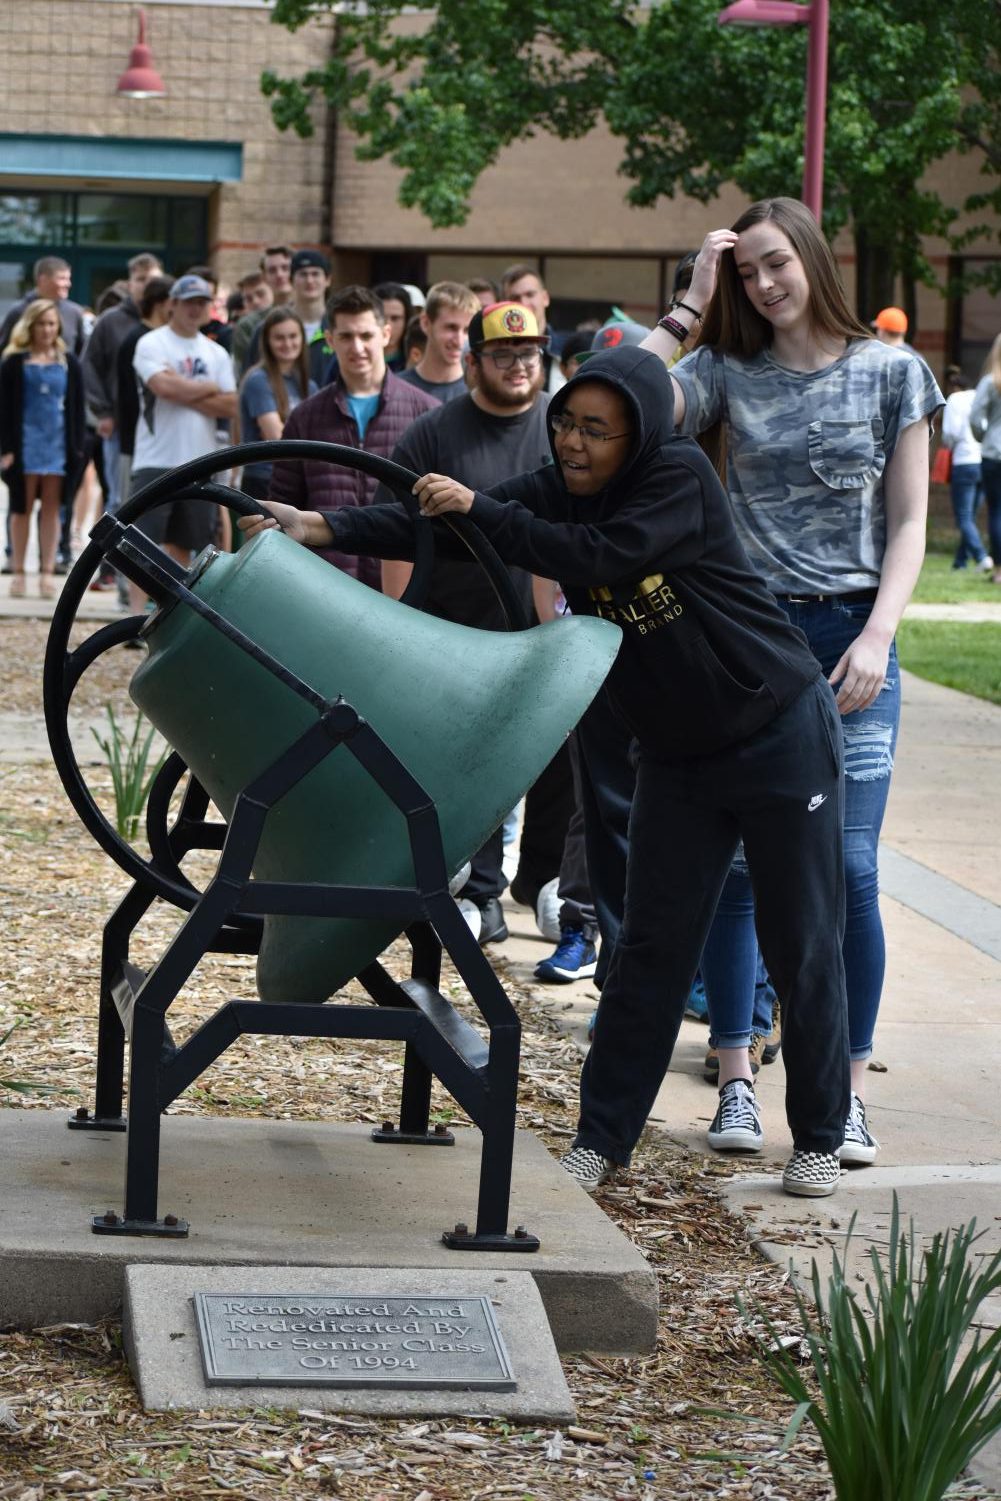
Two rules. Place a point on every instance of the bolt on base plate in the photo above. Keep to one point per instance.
(113, 1224)
(460, 1239)
(437, 1136)
(82, 1120)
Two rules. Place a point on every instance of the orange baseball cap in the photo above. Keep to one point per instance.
(892, 320)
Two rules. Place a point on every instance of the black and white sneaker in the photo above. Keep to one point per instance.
(860, 1146)
(811, 1175)
(588, 1167)
(736, 1125)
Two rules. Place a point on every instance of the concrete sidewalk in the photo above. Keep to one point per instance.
(935, 1105)
(934, 1100)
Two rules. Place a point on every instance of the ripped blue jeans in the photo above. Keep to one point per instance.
(870, 739)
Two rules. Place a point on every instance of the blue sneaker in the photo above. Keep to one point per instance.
(697, 1008)
(575, 959)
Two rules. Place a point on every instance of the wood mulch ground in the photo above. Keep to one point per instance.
(70, 1421)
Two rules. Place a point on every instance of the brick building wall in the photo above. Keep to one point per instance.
(560, 204)
(60, 61)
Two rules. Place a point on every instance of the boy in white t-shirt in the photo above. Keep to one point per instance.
(186, 383)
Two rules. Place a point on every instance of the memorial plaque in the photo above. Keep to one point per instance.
(448, 1342)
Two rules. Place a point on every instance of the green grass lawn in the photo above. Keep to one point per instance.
(941, 584)
(959, 654)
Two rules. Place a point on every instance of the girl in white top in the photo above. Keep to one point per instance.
(964, 475)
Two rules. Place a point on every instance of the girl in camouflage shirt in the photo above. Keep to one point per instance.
(826, 440)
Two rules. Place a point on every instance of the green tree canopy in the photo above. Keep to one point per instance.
(695, 105)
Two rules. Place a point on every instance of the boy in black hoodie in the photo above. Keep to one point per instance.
(738, 737)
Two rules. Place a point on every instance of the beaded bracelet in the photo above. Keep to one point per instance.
(687, 307)
(674, 328)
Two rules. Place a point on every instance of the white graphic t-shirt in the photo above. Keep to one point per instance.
(168, 432)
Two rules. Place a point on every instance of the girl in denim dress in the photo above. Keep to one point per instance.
(41, 435)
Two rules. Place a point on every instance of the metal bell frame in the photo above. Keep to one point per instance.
(481, 1074)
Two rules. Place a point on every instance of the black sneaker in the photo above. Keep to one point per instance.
(736, 1125)
(860, 1146)
(493, 928)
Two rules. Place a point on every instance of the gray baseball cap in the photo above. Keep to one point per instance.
(187, 287)
(617, 333)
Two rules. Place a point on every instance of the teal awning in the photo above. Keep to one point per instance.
(139, 160)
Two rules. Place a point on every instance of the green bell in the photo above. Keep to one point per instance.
(473, 715)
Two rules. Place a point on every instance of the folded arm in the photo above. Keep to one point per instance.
(182, 389)
(223, 404)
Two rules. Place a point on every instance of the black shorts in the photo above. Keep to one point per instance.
(183, 523)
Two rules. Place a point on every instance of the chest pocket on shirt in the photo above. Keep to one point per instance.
(846, 455)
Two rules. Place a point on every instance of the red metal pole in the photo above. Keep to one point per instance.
(816, 108)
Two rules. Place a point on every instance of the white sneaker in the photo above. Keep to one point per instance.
(986, 564)
(860, 1146)
(547, 910)
(736, 1125)
(473, 916)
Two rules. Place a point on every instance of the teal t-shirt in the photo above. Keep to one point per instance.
(362, 409)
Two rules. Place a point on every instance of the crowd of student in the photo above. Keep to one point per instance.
(719, 807)
(273, 364)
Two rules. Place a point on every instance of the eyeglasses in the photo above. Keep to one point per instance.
(565, 427)
(505, 358)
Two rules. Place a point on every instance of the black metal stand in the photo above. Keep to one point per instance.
(480, 1072)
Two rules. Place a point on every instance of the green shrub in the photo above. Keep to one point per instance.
(128, 758)
(902, 1409)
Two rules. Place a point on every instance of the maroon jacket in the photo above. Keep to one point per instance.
(326, 417)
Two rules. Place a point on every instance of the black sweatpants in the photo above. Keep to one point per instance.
(781, 791)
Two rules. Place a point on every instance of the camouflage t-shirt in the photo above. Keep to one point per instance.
(806, 454)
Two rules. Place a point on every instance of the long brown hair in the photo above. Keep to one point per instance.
(270, 366)
(733, 325)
